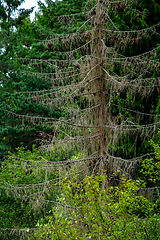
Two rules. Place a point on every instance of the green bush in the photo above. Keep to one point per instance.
(99, 211)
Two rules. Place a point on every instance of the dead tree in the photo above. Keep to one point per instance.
(84, 83)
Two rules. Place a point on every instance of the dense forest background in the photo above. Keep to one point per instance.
(60, 177)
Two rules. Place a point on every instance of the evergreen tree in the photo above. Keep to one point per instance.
(17, 36)
(11, 19)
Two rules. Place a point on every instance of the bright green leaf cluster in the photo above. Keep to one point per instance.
(99, 211)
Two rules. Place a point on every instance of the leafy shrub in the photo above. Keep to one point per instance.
(99, 211)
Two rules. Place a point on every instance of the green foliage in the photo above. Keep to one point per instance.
(49, 11)
(7, 11)
(29, 174)
(15, 212)
(16, 208)
(12, 130)
(10, 134)
(26, 168)
(99, 211)
(150, 167)
(131, 102)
